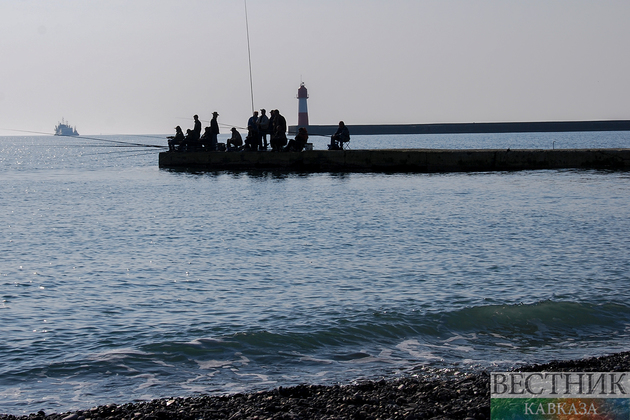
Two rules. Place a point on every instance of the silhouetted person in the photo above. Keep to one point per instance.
(272, 122)
(279, 136)
(196, 132)
(263, 126)
(214, 131)
(175, 142)
(250, 141)
(236, 141)
(252, 131)
(191, 141)
(341, 136)
(298, 144)
(206, 138)
(279, 122)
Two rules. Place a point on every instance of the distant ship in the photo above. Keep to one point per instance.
(64, 129)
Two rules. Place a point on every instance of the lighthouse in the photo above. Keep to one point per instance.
(302, 108)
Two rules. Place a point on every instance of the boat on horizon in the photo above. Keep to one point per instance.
(64, 129)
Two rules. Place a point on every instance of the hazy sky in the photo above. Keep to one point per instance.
(145, 66)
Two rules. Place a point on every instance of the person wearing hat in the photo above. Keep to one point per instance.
(253, 137)
(176, 140)
(214, 131)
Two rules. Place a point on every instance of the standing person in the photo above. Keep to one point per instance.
(252, 130)
(272, 122)
(196, 132)
(263, 126)
(280, 123)
(214, 131)
(341, 136)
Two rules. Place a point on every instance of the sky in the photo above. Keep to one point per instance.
(145, 66)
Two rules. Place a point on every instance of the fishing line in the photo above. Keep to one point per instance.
(88, 138)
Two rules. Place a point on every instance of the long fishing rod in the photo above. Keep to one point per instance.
(146, 136)
(231, 125)
(119, 142)
(117, 152)
(86, 138)
(109, 146)
(249, 55)
(121, 155)
(221, 124)
(101, 146)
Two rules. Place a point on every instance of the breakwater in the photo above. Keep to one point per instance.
(463, 128)
(407, 160)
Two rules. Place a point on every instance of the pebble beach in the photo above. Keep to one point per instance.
(465, 396)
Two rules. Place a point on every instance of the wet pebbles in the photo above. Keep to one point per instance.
(449, 397)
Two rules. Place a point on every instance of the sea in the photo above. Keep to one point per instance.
(123, 282)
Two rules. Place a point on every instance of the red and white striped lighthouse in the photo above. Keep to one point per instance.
(302, 108)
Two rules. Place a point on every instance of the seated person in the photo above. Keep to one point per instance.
(175, 142)
(190, 143)
(236, 141)
(251, 141)
(206, 139)
(298, 144)
(341, 136)
(278, 139)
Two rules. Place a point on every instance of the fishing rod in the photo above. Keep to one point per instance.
(221, 124)
(118, 152)
(117, 147)
(121, 155)
(119, 142)
(249, 55)
(235, 126)
(146, 136)
(86, 138)
(31, 132)
(95, 145)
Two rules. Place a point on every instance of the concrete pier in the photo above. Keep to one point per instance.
(401, 160)
(480, 127)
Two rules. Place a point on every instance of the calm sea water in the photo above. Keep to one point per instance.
(122, 282)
